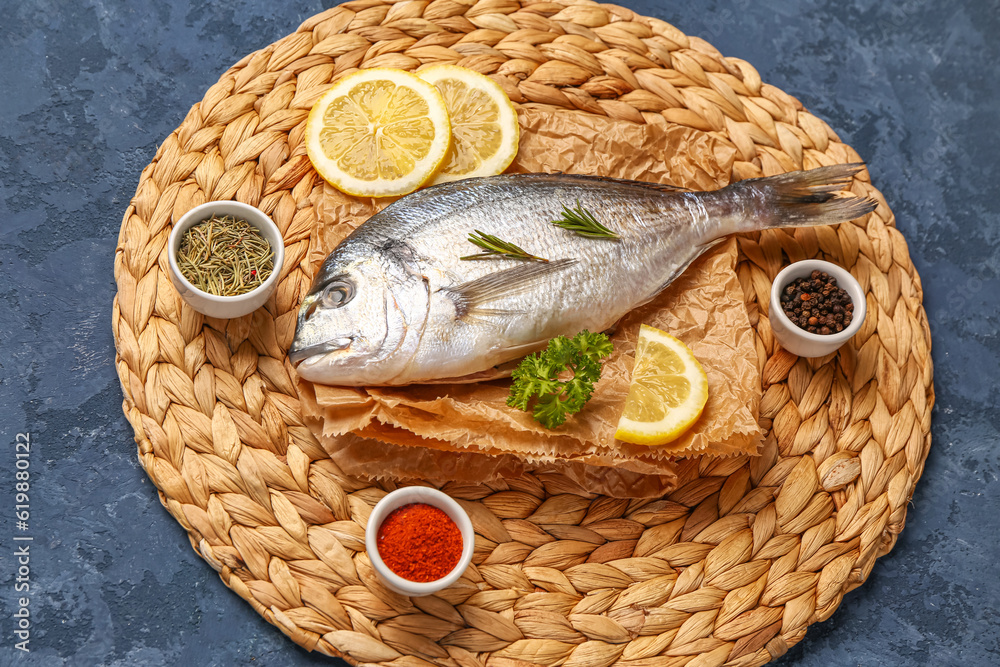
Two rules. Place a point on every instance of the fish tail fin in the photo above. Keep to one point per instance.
(807, 198)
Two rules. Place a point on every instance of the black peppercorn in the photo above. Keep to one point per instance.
(817, 304)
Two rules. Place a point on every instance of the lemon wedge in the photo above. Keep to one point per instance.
(378, 133)
(484, 128)
(668, 392)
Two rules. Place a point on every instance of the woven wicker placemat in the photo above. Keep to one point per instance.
(729, 569)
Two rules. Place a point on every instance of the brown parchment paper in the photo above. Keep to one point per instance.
(467, 433)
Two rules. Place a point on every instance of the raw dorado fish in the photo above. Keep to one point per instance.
(395, 304)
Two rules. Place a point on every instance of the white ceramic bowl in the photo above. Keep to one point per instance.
(801, 342)
(418, 494)
(225, 306)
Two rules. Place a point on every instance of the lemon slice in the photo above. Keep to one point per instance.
(378, 133)
(668, 392)
(484, 130)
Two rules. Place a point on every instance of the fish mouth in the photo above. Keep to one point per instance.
(299, 354)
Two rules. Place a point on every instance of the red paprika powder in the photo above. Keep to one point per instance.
(419, 542)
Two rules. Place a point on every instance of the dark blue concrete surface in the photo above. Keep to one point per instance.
(88, 89)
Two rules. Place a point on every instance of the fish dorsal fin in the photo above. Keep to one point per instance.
(590, 180)
(471, 297)
(662, 187)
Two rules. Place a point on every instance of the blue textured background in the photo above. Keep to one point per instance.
(89, 88)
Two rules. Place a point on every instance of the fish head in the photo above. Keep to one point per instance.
(360, 321)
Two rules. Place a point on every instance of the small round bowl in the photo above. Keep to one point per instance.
(225, 306)
(801, 342)
(435, 498)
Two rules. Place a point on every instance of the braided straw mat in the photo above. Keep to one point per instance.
(730, 569)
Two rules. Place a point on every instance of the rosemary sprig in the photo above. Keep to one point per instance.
(583, 222)
(497, 247)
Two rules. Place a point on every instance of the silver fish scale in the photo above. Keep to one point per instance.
(417, 312)
(659, 235)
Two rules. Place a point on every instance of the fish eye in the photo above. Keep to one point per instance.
(337, 293)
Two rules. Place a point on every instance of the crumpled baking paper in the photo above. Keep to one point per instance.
(467, 433)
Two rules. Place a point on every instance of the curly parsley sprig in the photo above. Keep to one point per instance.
(537, 377)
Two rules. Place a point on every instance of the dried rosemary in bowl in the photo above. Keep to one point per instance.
(225, 256)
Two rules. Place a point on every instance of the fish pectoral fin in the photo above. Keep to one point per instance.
(471, 297)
